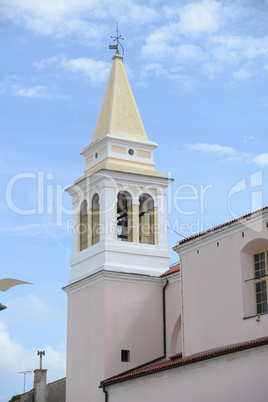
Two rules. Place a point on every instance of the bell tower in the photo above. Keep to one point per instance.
(119, 246)
(120, 201)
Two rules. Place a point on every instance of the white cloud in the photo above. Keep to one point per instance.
(47, 17)
(186, 52)
(208, 35)
(80, 17)
(216, 49)
(47, 9)
(14, 86)
(228, 153)
(158, 43)
(42, 230)
(154, 67)
(95, 71)
(35, 313)
(203, 34)
(31, 308)
(250, 139)
(181, 79)
(14, 357)
(200, 17)
(241, 75)
(39, 91)
(48, 62)
(232, 49)
(192, 19)
(12, 354)
(261, 159)
(212, 148)
(130, 11)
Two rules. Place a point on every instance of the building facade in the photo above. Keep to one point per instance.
(224, 321)
(139, 330)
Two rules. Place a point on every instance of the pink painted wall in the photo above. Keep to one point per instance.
(173, 316)
(85, 344)
(239, 377)
(120, 313)
(133, 321)
(215, 296)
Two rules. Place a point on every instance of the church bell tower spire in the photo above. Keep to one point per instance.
(120, 201)
(119, 247)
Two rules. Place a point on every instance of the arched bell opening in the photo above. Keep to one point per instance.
(123, 216)
(83, 226)
(147, 213)
(95, 219)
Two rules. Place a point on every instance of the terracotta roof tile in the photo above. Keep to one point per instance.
(172, 269)
(178, 360)
(221, 226)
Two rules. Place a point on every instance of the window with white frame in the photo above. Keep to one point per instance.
(261, 278)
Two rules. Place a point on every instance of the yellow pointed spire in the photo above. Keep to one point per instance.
(119, 141)
(119, 114)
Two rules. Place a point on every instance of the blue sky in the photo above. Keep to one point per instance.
(199, 72)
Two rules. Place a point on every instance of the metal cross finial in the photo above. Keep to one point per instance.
(41, 353)
(117, 38)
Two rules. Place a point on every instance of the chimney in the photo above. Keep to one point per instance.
(40, 381)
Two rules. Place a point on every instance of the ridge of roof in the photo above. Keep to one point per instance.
(221, 226)
(59, 379)
(178, 360)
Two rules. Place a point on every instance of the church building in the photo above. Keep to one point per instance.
(139, 330)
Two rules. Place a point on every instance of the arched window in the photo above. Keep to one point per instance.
(83, 226)
(95, 219)
(146, 220)
(124, 232)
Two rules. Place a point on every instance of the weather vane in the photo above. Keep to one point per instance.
(117, 39)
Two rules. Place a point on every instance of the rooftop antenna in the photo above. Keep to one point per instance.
(24, 372)
(41, 353)
(117, 38)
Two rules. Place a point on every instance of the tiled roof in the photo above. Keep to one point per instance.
(60, 379)
(221, 226)
(178, 360)
(172, 269)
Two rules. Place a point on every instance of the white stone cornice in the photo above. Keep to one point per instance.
(113, 276)
(75, 201)
(150, 145)
(128, 178)
(124, 178)
(116, 256)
